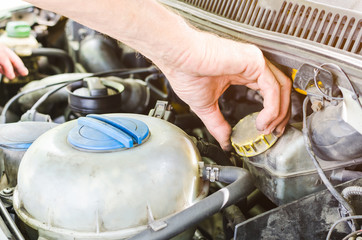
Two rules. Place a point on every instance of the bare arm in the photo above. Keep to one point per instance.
(199, 66)
(144, 25)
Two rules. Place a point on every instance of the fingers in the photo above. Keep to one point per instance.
(7, 67)
(285, 91)
(276, 92)
(11, 64)
(17, 63)
(270, 89)
(217, 125)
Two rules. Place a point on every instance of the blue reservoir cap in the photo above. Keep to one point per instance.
(100, 132)
(15, 146)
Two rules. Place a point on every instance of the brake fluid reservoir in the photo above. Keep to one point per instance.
(106, 177)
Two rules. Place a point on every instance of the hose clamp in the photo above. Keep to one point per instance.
(212, 173)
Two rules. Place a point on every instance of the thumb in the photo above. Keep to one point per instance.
(216, 124)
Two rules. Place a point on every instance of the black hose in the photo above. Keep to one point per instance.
(213, 152)
(345, 175)
(58, 53)
(241, 184)
(99, 53)
(188, 121)
(233, 216)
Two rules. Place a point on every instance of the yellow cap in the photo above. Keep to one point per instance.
(247, 140)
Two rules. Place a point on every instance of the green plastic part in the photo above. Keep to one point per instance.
(18, 29)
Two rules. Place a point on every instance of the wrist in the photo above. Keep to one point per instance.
(178, 47)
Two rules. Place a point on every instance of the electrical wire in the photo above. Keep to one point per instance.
(339, 221)
(355, 94)
(316, 72)
(119, 72)
(342, 201)
(20, 94)
(321, 174)
(46, 95)
(352, 234)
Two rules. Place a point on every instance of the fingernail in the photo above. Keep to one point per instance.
(279, 132)
(25, 71)
(227, 148)
(11, 76)
(267, 131)
(259, 127)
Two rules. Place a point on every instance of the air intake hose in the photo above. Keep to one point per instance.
(57, 53)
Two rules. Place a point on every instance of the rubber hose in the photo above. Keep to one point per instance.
(346, 175)
(58, 53)
(98, 53)
(241, 185)
(213, 152)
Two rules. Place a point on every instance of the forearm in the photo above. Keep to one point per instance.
(144, 25)
(199, 66)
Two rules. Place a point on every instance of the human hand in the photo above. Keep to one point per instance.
(199, 66)
(10, 64)
(205, 70)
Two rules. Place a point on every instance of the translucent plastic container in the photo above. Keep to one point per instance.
(17, 37)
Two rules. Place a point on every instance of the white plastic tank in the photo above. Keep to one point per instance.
(107, 177)
(18, 37)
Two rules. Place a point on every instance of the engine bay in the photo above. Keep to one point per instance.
(95, 144)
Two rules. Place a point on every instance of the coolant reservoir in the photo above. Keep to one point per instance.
(106, 177)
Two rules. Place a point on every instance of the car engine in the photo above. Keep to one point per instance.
(95, 144)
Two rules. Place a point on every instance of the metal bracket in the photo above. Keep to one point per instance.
(155, 225)
(201, 167)
(305, 75)
(158, 225)
(162, 110)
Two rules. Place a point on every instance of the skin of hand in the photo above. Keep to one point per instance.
(200, 66)
(203, 72)
(10, 64)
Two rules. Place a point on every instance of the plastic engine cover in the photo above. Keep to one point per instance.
(71, 185)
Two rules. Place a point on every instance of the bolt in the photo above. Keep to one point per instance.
(317, 105)
(8, 191)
